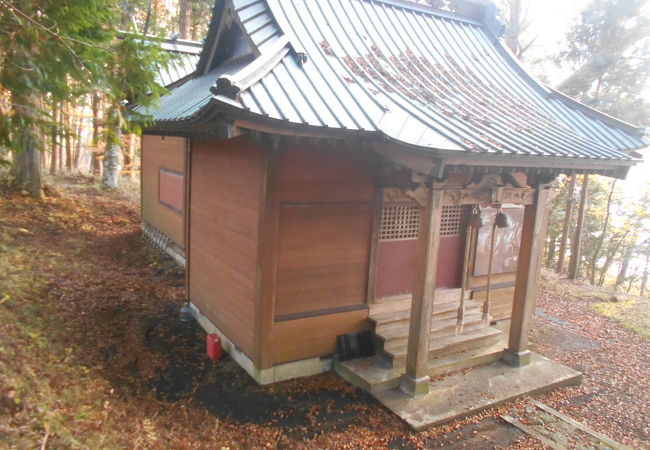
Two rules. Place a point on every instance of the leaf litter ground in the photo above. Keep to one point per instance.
(92, 354)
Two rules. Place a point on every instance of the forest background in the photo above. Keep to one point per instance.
(68, 68)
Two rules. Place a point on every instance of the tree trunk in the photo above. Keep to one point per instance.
(26, 170)
(644, 280)
(78, 127)
(112, 166)
(622, 274)
(574, 263)
(566, 226)
(68, 139)
(184, 18)
(132, 142)
(95, 163)
(54, 154)
(601, 238)
(610, 259)
(550, 256)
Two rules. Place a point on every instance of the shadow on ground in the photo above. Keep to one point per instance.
(304, 407)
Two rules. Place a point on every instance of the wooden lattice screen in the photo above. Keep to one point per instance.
(403, 222)
(399, 222)
(452, 221)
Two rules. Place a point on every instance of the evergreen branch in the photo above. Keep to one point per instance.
(50, 30)
(61, 39)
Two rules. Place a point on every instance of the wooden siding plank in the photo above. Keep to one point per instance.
(314, 336)
(323, 257)
(224, 208)
(162, 153)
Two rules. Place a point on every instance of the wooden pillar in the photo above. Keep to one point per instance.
(415, 381)
(378, 206)
(576, 244)
(267, 259)
(187, 204)
(529, 265)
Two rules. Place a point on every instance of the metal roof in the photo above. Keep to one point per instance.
(185, 57)
(187, 100)
(410, 73)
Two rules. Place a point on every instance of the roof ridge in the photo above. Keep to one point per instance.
(589, 110)
(476, 12)
(412, 5)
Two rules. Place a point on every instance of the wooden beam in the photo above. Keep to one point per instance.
(186, 212)
(267, 259)
(378, 206)
(415, 380)
(529, 266)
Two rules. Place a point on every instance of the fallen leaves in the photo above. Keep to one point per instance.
(89, 342)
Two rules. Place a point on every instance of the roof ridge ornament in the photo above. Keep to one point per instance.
(485, 11)
(231, 85)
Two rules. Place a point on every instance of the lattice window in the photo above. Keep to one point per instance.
(399, 222)
(452, 221)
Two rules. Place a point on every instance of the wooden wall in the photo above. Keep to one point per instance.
(162, 153)
(224, 213)
(325, 197)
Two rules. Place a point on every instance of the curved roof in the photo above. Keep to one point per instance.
(419, 76)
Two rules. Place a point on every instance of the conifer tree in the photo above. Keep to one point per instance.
(56, 51)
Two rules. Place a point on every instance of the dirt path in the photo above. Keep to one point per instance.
(92, 355)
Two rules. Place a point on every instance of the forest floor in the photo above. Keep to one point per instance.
(92, 354)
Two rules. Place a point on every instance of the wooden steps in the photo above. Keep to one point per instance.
(391, 317)
(439, 347)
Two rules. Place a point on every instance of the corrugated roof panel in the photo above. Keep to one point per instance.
(417, 75)
(188, 99)
(257, 20)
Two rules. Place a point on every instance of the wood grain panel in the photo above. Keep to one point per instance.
(497, 278)
(396, 261)
(224, 208)
(501, 302)
(314, 336)
(161, 153)
(323, 255)
(324, 174)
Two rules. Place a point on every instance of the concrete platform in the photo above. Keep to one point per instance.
(461, 394)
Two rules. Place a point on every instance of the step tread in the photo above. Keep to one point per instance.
(397, 349)
(401, 330)
(405, 314)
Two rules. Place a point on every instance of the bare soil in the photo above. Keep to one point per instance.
(92, 354)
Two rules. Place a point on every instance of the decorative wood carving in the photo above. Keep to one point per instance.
(460, 196)
(517, 196)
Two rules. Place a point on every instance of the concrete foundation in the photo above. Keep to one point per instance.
(280, 372)
(460, 394)
(163, 243)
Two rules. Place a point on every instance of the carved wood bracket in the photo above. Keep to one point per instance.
(464, 196)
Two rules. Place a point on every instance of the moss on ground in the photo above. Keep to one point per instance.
(632, 312)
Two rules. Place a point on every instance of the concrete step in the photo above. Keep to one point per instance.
(443, 346)
(439, 327)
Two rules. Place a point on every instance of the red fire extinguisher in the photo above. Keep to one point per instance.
(213, 347)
